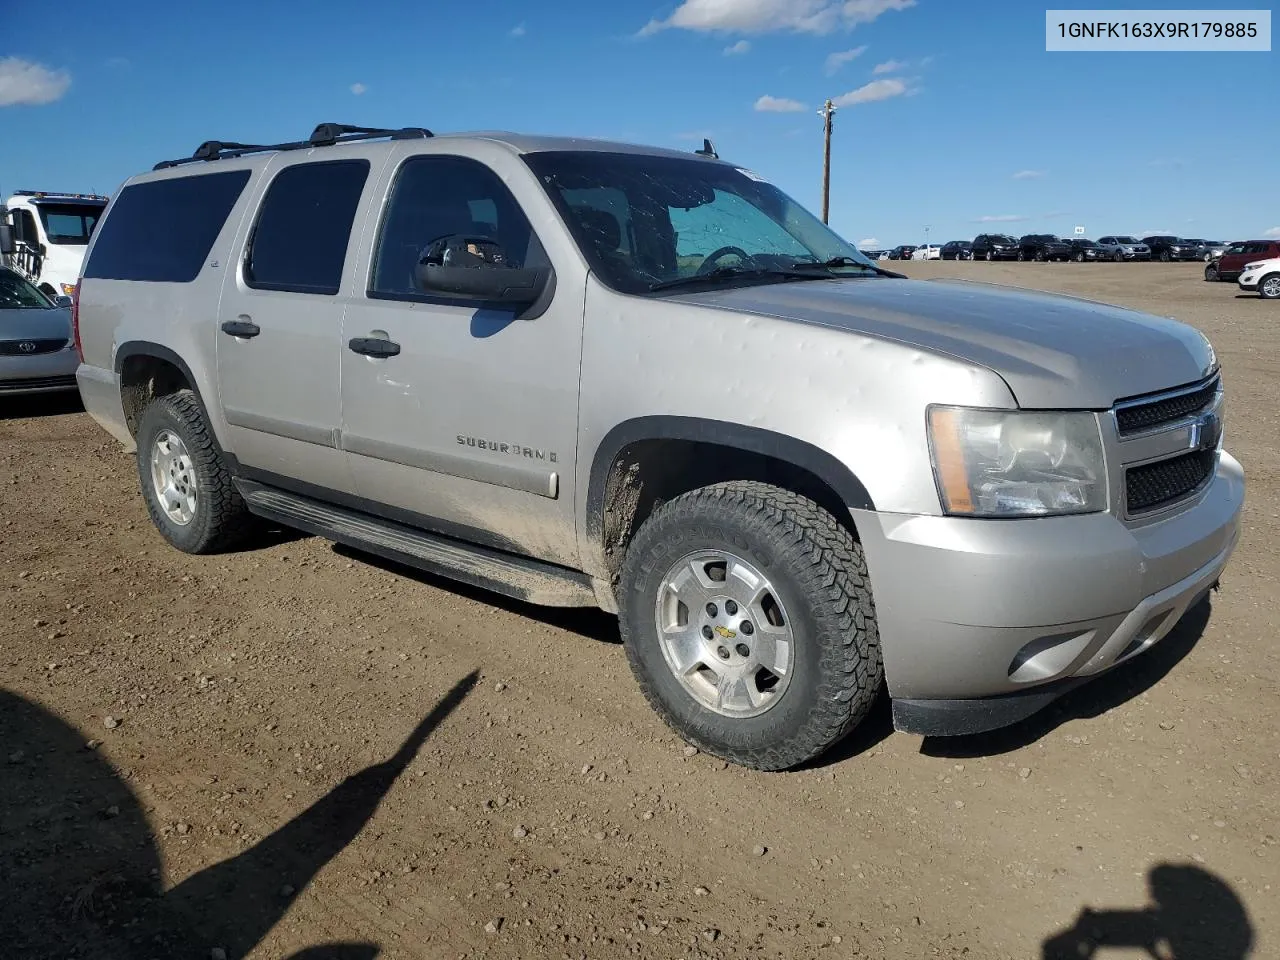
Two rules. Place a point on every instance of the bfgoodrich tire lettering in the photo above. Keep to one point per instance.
(218, 518)
(820, 575)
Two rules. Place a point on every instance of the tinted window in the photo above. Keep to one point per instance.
(299, 243)
(162, 231)
(70, 223)
(436, 197)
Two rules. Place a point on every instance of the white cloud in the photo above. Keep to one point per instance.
(766, 16)
(24, 83)
(870, 243)
(875, 90)
(768, 104)
(1001, 218)
(359, 89)
(1273, 232)
(837, 60)
(736, 49)
(889, 66)
(1029, 174)
(519, 30)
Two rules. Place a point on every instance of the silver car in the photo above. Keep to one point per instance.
(587, 373)
(1124, 248)
(36, 350)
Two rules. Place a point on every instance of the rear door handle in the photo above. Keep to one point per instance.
(374, 347)
(241, 328)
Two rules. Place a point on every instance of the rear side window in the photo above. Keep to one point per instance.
(300, 241)
(163, 230)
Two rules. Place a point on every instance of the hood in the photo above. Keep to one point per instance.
(35, 324)
(1053, 351)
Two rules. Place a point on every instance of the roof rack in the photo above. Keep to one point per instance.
(57, 195)
(324, 135)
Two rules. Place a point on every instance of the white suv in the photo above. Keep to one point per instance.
(1262, 277)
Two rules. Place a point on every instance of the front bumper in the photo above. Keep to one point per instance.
(982, 622)
(38, 373)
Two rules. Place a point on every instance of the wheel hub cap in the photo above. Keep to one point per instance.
(724, 633)
(173, 477)
(1271, 286)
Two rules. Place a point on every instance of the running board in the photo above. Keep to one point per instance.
(520, 577)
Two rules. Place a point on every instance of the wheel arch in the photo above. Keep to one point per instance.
(149, 370)
(645, 461)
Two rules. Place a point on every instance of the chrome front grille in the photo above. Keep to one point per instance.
(1168, 444)
(1148, 413)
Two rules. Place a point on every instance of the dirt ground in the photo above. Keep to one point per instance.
(296, 751)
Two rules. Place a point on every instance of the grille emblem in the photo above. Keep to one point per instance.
(26, 346)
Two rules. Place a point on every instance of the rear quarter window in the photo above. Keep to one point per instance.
(162, 230)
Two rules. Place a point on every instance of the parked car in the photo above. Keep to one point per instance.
(927, 251)
(1044, 247)
(443, 350)
(1213, 249)
(1262, 277)
(36, 352)
(1229, 266)
(873, 254)
(1168, 248)
(994, 246)
(903, 251)
(1086, 250)
(1122, 247)
(957, 250)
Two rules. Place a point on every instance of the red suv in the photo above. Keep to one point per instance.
(1233, 259)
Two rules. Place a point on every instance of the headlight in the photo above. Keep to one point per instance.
(1255, 265)
(1016, 463)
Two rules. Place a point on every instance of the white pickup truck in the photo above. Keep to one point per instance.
(50, 235)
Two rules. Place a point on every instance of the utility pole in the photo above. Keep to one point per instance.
(827, 112)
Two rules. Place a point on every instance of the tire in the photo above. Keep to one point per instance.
(816, 588)
(990, 256)
(1079, 258)
(1118, 257)
(1269, 287)
(1021, 257)
(1042, 257)
(174, 439)
(1211, 274)
(1164, 256)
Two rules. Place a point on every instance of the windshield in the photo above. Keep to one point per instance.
(70, 223)
(1003, 238)
(17, 294)
(1125, 240)
(643, 221)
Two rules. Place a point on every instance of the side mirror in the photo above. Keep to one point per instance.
(7, 243)
(62, 301)
(475, 268)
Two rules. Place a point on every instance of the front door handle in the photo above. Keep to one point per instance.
(374, 347)
(244, 328)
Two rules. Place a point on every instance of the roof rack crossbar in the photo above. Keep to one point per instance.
(324, 135)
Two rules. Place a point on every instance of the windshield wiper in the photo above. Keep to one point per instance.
(842, 262)
(728, 274)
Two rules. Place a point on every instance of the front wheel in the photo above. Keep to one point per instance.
(187, 488)
(990, 256)
(747, 617)
(1269, 287)
(1211, 273)
(1164, 257)
(1079, 258)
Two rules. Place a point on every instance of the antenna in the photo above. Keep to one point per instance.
(708, 150)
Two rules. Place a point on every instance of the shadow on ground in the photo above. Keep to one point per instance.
(80, 868)
(30, 406)
(1091, 699)
(1194, 915)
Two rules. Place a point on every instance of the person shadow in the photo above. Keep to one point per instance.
(1194, 915)
(80, 867)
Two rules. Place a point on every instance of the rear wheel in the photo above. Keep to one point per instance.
(187, 488)
(747, 617)
(1269, 287)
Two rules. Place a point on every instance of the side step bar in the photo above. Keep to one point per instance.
(520, 577)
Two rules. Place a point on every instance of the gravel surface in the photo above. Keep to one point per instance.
(295, 746)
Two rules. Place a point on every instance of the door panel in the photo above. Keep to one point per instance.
(473, 422)
(280, 323)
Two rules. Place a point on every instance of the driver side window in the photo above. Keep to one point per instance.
(729, 221)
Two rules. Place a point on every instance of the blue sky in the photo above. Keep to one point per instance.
(955, 112)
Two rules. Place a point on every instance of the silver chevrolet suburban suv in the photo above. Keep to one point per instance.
(583, 373)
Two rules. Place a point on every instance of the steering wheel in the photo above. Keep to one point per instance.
(709, 263)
